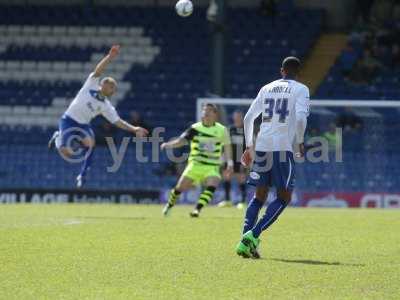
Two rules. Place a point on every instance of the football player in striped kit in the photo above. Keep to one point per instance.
(209, 141)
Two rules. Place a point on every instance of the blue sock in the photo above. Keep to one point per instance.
(87, 162)
(272, 212)
(252, 214)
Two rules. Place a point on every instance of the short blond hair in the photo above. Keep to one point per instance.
(108, 80)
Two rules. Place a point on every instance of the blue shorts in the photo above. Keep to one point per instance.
(71, 130)
(273, 169)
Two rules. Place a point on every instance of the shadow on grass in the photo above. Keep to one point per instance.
(315, 262)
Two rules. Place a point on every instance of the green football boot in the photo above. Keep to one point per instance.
(252, 242)
(243, 250)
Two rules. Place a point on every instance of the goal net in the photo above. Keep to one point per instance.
(353, 157)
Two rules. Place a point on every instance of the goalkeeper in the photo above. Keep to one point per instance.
(208, 140)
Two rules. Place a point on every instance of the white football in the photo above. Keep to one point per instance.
(184, 8)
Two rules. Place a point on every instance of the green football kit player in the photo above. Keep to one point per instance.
(209, 141)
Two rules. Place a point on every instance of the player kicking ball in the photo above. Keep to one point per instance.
(284, 106)
(209, 140)
(92, 100)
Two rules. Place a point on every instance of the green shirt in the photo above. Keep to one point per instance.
(331, 137)
(207, 143)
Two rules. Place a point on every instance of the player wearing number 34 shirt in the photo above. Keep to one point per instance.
(284, 107)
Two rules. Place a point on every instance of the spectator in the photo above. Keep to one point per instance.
(357, 74)
(348, 59)
(382, 55)
(360, 32)
(366, 69)
(370, 65)
(374, 46)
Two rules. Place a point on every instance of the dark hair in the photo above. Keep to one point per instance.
(212, 106)
(291, 65)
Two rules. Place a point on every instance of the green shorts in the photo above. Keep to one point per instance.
(199, 172)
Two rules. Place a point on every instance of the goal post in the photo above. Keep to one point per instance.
(368, 173)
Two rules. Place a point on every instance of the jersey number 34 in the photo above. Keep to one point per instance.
(277, 106)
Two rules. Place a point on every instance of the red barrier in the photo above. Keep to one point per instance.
(357, 199)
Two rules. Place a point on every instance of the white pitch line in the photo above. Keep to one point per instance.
(73, 222)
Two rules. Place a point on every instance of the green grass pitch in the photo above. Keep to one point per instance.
(132, 252)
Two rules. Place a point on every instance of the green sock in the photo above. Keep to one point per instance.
(205, 197)
(173, 196)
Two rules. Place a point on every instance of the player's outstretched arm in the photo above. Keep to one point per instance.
(175, 143)
(181, 141)
(101, 66)
(139, 131)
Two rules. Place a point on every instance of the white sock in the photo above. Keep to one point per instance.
(58, 141)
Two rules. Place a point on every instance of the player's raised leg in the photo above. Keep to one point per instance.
(63, 137)
(88, 144)
(53, 139)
